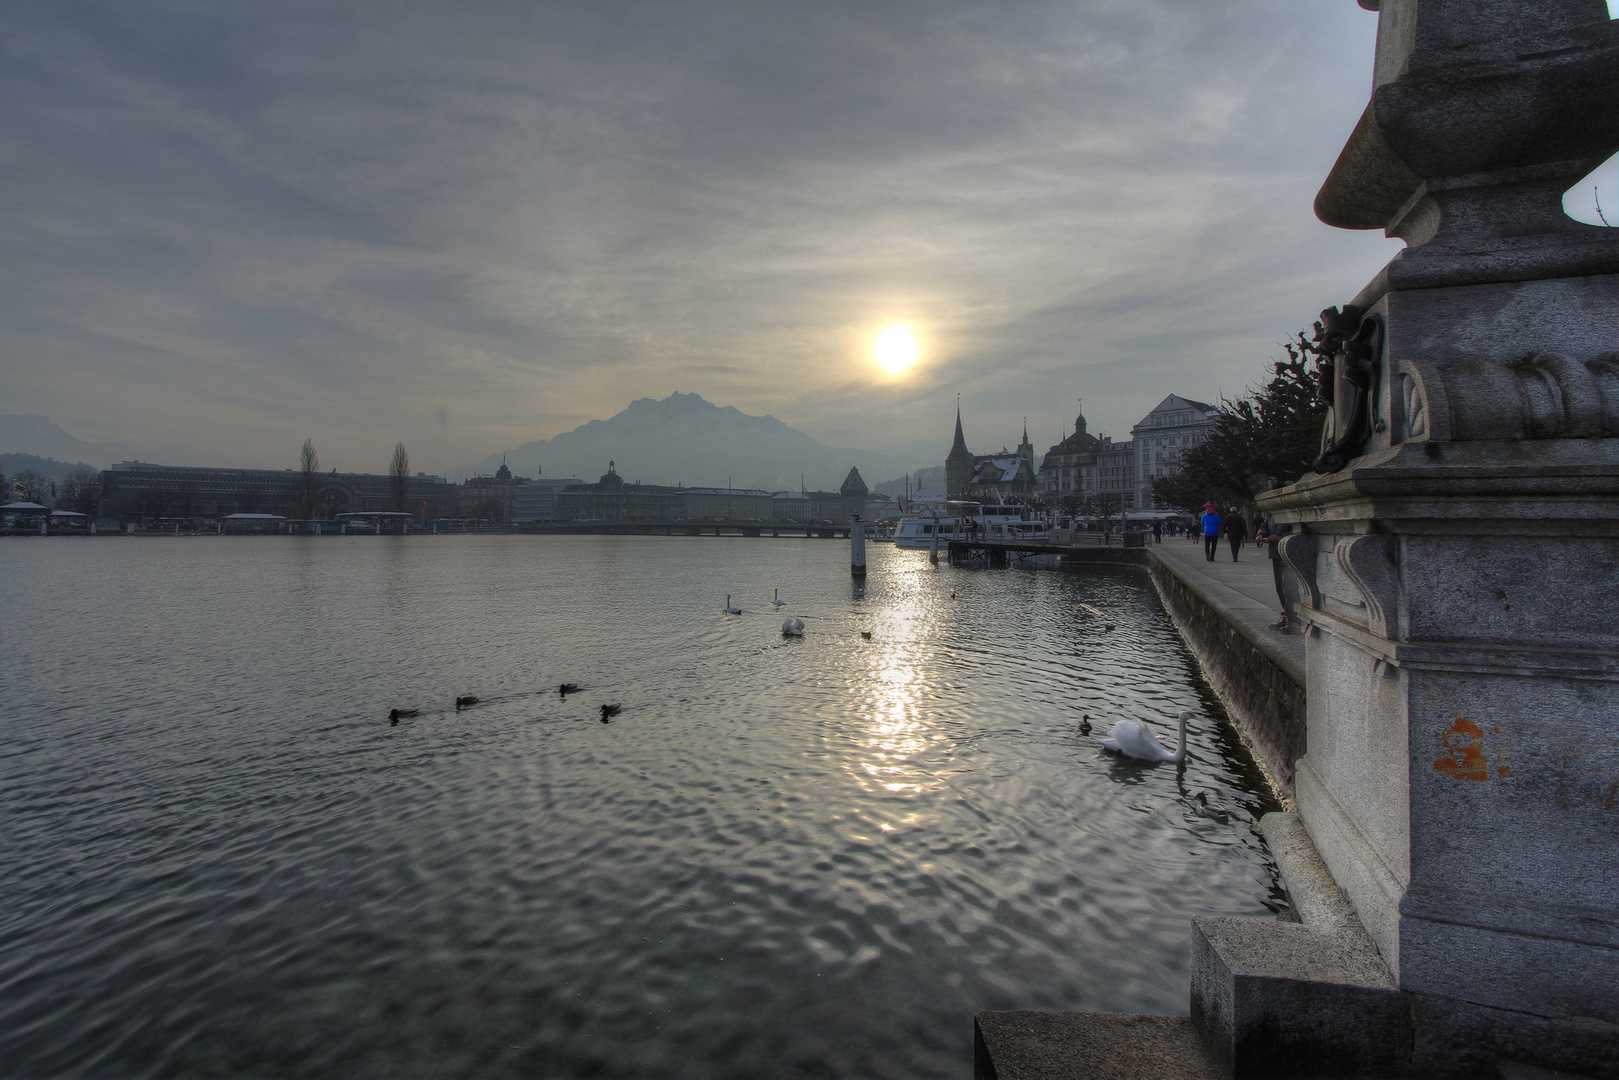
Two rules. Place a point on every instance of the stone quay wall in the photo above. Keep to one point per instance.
(1261, 686)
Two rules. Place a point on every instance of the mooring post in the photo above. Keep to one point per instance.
(857, 546)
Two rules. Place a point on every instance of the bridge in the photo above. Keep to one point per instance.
(707, 527)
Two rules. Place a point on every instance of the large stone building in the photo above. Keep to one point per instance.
(1007, 476)
(1069, 467)
(490, 498)
(135, 490)
(611, 499)
(1116, 476)
(536, 500)
(1173, 427)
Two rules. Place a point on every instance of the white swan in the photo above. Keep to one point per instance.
(1134, 739)
(730, 608)
(792, 627)
(778, 601)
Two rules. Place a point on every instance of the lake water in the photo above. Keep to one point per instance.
(811, 857)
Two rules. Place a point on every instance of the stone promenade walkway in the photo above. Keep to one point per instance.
(1245, 591)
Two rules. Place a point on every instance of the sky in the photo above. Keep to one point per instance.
(232, 226)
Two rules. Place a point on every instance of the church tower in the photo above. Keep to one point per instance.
(958, 467)
(1025, 450)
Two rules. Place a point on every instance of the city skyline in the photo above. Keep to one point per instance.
(244, 227)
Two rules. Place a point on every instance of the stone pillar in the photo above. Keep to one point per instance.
(1459, 544)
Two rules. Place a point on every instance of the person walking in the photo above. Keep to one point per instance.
(1157, 531)
(1211, 530)
(1236, 531)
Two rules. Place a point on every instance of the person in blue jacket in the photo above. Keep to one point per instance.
(1211, 530)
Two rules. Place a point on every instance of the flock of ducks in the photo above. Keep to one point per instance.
(1127, 738)
(466, 701)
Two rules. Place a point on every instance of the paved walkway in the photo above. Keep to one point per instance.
(1245, 590)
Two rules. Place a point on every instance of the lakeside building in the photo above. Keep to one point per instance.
(1069, 467)
(1008, 476)
(726, 504)
(490, 497)
(806, 506)
(611, 499)
(536, 500)
(138, 489)
(1116, 472)
(1174, 426)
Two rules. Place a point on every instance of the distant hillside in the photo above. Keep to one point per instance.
(12, 464)
(30, 433)
(919, 478)
(685, 439)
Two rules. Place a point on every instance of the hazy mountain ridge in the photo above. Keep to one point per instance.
(42, 437)
(686, 439)
(48, 467)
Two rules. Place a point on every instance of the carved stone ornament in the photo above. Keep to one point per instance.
(1352, 348)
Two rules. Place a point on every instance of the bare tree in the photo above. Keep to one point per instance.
(81, 490)
(399, 476)
(33, 487)
(308, 476)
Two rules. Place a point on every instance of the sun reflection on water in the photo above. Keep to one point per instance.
(896, 733)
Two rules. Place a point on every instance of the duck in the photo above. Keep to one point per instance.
(730, 608)
(567, 688)
(778, 601)
(792, 627)
(1132, 738)
(463, 702)
(610, 711)
(397, 715)
(866, 634)
(1085, 724)
(1107, 626)
(1213, 811)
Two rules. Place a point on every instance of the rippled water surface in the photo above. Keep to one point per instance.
(812, 857)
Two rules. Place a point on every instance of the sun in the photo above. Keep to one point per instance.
(895, 349)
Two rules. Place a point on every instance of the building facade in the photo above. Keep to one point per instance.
(1005, 477)
(611, 499)
(536, 500)
(133, 490)
(1116, 476)
(1173, 427)
(490, 498)
(1069, 468)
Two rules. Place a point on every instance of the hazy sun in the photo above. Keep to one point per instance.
(895, 349)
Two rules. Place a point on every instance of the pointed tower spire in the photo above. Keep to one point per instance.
(959, 447)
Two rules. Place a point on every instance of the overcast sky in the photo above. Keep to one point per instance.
(227, 226)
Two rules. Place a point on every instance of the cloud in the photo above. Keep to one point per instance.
(259, 222)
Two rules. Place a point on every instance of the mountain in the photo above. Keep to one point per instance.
(916, 480)
(686, 439)
(30, 433)
(50, 468)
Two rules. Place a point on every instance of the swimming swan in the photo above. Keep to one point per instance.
(1134, 739)
(778, 601)
(792, 627)
(730, 608)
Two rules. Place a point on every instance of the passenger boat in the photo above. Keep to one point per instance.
(957, 520)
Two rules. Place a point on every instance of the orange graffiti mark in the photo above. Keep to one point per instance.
(1464, 741)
